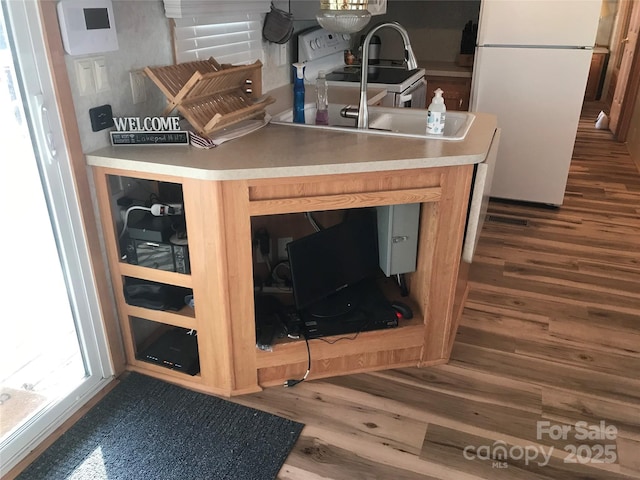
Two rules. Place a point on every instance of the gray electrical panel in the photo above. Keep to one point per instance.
(398, 237)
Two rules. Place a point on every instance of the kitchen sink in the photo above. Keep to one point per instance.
(398, 122)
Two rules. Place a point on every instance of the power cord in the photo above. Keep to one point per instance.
(126, 217)
(402, 283)
(293, 382)
(331, 342)
(157, 210)
(314, 223)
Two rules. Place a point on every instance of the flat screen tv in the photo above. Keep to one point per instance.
(327, 264)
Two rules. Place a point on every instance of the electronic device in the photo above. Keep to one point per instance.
(147, 226)
(162, 256)
(324, 264)
(176, 349)
(332, 273)
(398, 237)
(270, 320)
(87, 26)
(372, 312)
(403, 310)
(153, 242)
(154, 295)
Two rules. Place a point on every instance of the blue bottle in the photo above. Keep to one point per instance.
(298, 93)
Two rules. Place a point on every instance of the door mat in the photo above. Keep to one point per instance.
(148, 429)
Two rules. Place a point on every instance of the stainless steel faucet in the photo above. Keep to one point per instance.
(363, 108)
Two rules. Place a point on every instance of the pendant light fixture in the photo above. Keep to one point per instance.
(343, 16)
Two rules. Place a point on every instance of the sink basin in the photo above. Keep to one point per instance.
(335, 119)
(398, 122)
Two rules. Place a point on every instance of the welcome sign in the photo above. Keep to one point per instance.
(148, 131)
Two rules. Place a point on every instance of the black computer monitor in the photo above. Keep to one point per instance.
(327, 264)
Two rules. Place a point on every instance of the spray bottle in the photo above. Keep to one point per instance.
(322, 99)
(436, 114)
(298, 93)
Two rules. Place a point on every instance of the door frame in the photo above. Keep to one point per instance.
(627, 105)
(629, 100)
(64, 99)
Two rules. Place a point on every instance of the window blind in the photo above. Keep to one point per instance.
(229, 38)
(190, 8)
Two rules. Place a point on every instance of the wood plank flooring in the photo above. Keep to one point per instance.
(550, 337)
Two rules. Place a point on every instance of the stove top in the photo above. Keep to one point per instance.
(392, 78)
(376, 74)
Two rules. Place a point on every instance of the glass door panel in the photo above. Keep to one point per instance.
(52, 348)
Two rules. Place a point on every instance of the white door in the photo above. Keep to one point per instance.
(53, 355)
(537, 95)
(538, 22)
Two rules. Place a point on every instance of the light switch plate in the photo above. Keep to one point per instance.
(100, 74)
(85, 77)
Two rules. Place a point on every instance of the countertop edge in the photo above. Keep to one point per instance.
(280, 172)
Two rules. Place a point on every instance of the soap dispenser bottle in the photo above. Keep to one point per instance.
(322, 99)
(298, 93)
(436, 114)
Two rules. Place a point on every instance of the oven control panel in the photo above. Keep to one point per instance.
(319, 43)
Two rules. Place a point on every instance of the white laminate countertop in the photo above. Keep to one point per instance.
(284, 151)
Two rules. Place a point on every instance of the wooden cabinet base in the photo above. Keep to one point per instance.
(218, 217)
(342, 365)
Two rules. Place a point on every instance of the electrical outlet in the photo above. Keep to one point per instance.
(282, 54)
(101, 117)
(282, 247)
(138, 91)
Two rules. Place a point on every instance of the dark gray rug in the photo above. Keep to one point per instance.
(148, 429)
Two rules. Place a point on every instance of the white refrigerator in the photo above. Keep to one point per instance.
(531, 67)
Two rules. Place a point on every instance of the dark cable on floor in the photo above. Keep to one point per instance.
(331, 342)
(293, 382)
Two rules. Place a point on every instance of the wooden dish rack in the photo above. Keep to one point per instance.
(211, 96)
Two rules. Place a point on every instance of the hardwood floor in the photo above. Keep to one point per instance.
(550, 337)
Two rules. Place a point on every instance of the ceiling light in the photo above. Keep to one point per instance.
(343, 16)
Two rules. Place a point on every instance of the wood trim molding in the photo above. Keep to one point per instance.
(64, 99)
(633, 84)
(630, 96)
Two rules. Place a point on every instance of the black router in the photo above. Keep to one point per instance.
(175, 349)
